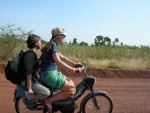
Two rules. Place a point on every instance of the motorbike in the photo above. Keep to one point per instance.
(96, 101)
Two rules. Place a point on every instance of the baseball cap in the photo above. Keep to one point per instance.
(58, 31)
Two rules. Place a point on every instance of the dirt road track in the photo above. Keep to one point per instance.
(129, 94)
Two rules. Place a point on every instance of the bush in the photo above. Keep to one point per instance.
(114, 65)
(10, 37)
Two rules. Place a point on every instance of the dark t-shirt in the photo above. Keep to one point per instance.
(30, 64)
(47, 61)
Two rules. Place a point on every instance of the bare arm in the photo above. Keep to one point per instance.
(57, 58)
(29, 83)
(66, 60)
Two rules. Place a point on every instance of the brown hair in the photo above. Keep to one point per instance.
(47, 47)
(32, 39)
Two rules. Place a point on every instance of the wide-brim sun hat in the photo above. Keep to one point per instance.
(57, 31)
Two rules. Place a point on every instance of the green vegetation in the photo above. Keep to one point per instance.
(104, 53)
(105, 56)
(10, 40)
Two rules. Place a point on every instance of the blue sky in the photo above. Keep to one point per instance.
(128, 20)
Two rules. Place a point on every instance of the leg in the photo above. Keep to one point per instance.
(41, 92)
(67, 90)
(54, 98)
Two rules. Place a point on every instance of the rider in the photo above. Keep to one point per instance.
(31, 77)
(50, 59)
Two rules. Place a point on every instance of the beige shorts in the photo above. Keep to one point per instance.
(68, 89)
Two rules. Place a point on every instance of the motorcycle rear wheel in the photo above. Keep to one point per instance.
(21, 107)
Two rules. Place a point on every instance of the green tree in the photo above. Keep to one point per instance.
(10, 37)
(83, 44)
(100, 40)
(74, 41)
(116, 41)
(107, 41)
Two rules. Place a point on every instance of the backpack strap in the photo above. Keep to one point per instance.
(29, 52)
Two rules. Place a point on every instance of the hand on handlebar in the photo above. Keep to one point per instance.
(78, 65)
(78, 70)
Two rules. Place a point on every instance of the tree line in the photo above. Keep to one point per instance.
(12, 31)
(99, 40)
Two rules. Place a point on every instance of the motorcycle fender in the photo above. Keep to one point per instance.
(88, 95)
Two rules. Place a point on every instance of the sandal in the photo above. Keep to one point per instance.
(49, 107)
(30, 104)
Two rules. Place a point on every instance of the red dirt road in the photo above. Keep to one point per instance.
(129, 90)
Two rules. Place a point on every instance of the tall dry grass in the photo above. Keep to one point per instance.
(118, 57)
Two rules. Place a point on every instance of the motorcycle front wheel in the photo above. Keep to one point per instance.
(104, 104)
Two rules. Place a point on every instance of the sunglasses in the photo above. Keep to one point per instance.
(63, 35)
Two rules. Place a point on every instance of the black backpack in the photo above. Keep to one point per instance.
(14, 68)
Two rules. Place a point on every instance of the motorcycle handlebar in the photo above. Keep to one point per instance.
(83, 67)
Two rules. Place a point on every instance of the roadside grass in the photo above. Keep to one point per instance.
(133, 64)
(12, 40)
(135, 58)
(116, 57)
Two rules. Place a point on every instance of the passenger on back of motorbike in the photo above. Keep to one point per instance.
(30, 78)
(50, 58)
